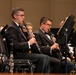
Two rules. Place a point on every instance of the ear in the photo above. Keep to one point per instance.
(15, 16)
(42, 23)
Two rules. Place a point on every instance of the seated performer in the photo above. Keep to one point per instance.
(22, 45)
(46, 41)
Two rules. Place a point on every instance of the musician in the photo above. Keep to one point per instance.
(46, 41)
(30, 26)
(22, 45)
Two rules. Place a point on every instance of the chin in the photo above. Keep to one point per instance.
(21, 22)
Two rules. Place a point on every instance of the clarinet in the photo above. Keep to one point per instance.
(30, 34)
(59, 51)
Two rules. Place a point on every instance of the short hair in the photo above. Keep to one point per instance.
(15, 11)
(44, 20)
(28, 23)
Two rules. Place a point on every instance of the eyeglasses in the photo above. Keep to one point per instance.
(49, 24)
(21, 15)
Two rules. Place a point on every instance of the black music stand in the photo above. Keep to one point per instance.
(64, 33)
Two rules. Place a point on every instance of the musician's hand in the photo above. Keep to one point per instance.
(32, 35)
(55, 46)
(32, 41)
(68, 59)
(54, 39)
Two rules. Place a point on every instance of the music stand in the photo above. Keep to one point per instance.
(67, 26)
(64, 33)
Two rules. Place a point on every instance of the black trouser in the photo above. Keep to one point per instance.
(56, 64)
(69, 65)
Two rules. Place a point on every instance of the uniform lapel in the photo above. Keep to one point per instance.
(45, 37)
(19, 30)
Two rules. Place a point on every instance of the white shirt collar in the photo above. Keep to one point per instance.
(16, 23)
(42, 30)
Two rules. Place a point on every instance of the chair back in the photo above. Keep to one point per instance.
(4, 45)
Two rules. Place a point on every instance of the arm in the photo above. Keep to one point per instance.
(44, 46)
(18, 42)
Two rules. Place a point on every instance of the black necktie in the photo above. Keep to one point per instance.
(47, 33)
(20, 26)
